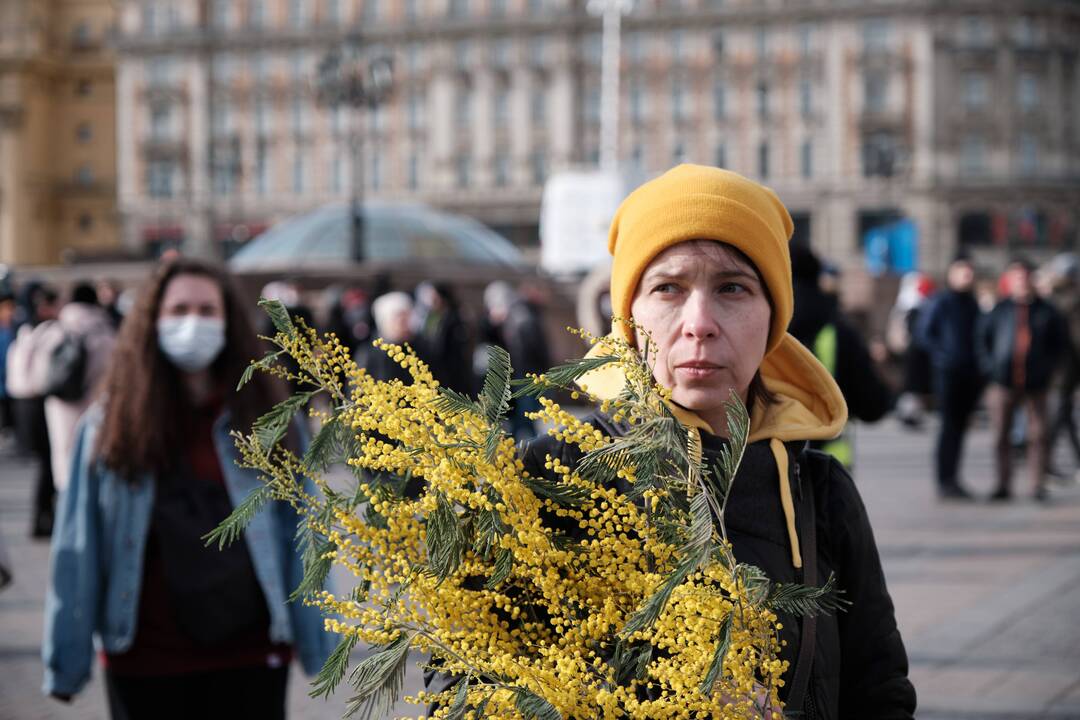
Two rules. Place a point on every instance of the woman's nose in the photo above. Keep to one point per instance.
(699, 317)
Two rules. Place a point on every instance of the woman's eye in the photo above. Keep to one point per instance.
(665, 288)
(732, 288)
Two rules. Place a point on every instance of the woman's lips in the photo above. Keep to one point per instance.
(697, 370)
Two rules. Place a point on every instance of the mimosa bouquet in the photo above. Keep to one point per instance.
(604, 590)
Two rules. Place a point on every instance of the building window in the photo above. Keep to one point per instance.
(80, 35)
(806, 39)
(636, 47)
(637, 103)
(83, 87)
(976, 31)
(225, 172)
(84, 132)
(256, 16)
(761, 42)
(1027, 91)
(262, 168)
(464, 167)
(502, 169)
(220, 11)
(259, 68)
(720, 155)
(592, 48)
(678, 101)
(372, 12)
(592, 104)
(376, 171)
(262, 117)
(500, 53)
(719, 100)
(498, 8)
(718, 44)
(1029, 153)
(763, 159)
(298, 13)
(806, 97)
(463, 110)
(298, 67)
(461, 55)
(537, 51)
(85, 222)
(972, 155)
(1023, 31)
(875, 32)
(976, 90)
(874, 89)
(880, 153)
(337, 174)
(84, 175)
(458, 8)
(159, 178)
(298, 171)
(502, 109)
(763, 100)
(220, 120)
(538, 106)
(299, 115)
(412, 11)
(414, 171)
(538, 165)
(415, 110)
(333, 12)
(678, 46)
(535, 7)
(806, 160)
(160, 122)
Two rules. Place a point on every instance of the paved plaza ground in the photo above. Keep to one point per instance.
(987, 596)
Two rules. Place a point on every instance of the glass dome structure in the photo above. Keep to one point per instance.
(392, 233)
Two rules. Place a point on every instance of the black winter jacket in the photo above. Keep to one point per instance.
(946, 329)
(996, 341)
(860, 665)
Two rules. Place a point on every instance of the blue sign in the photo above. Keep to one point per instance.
(892, 248)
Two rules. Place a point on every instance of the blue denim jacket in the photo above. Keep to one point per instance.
(98, 541)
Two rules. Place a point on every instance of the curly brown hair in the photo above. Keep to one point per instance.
(145, 405)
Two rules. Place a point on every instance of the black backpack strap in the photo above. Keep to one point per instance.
(811, 461)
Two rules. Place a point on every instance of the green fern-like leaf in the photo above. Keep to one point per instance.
(716, 667)
(262, 364)
(232, 527)
(562, 376)
(495, 396)
(805, 599)
(316, 567)
(279, 315)
(378, 679)
(504, 563)
(451, 402)
(334, 669)
(561, 493)
(645, 616)
(271, 427)
(458, 707)
(324, 447)
(446, 540)
(533, 707)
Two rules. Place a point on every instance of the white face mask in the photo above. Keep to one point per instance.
(191, 342)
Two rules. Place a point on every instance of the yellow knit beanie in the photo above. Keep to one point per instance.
(694, 202)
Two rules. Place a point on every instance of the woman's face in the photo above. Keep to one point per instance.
(192, 295)
(708, 315)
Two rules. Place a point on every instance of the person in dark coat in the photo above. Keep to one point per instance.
(442, 335)
(709, 279)
(819, 324)
(1020, 343)
(946, 329)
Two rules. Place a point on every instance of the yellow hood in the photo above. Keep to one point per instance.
(809, 407)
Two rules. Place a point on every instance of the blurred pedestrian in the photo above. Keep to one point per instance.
(946, 328)
(916, 288)
(184, 630)
(108, 298)
(349, 316)
(75, 371)
(1065, 295)
(1019, 344)
(517, 325)
(27, 377)
(819, 325)
(393, 324)
(7, 337)
(442, 336)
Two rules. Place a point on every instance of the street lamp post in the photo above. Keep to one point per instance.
(347, 78)
(611, 11)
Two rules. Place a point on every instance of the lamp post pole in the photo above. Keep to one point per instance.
(347, 78)
(611, 11)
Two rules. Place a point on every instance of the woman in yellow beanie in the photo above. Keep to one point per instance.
(701, 263)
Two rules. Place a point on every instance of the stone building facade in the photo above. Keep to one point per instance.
(57, 130)
(962, 116)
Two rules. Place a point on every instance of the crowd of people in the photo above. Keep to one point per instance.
(130, 397)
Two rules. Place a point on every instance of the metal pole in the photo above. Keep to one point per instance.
(611, 11)
(356, 204)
